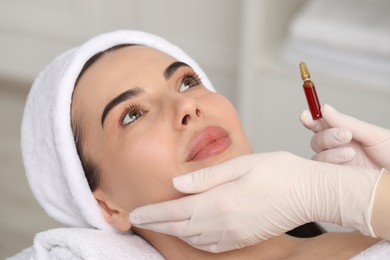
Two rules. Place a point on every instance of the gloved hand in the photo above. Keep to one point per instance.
(254, 197)
(343, 139)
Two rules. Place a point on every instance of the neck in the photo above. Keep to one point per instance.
(174, 248)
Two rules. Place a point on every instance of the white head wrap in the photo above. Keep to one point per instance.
(52, 165)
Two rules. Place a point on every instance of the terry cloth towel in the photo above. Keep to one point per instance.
(83, 243)
(52, 165)
(379, 251)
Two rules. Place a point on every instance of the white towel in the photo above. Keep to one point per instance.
(52, 165)
(379, 251)
(83, 243)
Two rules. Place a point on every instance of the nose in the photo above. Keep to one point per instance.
(187, 111)
(187, 117)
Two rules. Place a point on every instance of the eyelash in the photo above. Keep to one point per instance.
(127, 111)
(190, 75)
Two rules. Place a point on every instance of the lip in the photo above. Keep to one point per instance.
(209, 142)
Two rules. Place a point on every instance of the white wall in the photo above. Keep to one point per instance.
(32, 33)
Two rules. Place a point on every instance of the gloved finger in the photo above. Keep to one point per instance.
(202, 240)
(330, 138)
(365, 133)
(219, 240)
(313, 125)
(336, 155)
(174, 228)
(173, 210)
(215, 244)
(218, 247)
(207, 178)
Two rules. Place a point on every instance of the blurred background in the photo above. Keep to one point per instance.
(250, 50)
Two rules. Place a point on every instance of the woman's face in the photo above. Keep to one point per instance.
(147, 118)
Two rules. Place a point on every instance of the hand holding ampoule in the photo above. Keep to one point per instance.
(347, 140)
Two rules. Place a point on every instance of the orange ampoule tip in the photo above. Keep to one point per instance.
(304, 71)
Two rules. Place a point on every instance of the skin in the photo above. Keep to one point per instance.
(137, 161)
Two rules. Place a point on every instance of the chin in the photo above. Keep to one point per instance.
(216, 159)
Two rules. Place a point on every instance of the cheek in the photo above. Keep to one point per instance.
(224, 111)
(140, 172)
(220, 106)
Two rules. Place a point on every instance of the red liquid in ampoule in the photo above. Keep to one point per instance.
(313, 101)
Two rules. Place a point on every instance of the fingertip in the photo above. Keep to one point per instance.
(348, 153)
(305, 117)
(183, 183)
(326, 109)
(313, 125)
(134, 219)
(343, 136)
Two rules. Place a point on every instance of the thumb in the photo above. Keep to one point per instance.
(313, 125)
(365, 133)
(207, 178)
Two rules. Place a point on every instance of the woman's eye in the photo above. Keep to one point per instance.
(131, 116)
(188, 82)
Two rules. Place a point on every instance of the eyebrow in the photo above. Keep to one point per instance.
(174, 67)
(128, 94)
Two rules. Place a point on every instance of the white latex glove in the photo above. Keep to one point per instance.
(343, 139)
(259, 196)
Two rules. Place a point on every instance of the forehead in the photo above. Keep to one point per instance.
(130, 62)
(130, 56)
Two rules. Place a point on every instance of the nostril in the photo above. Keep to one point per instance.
(185, 119)
(197, 112)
